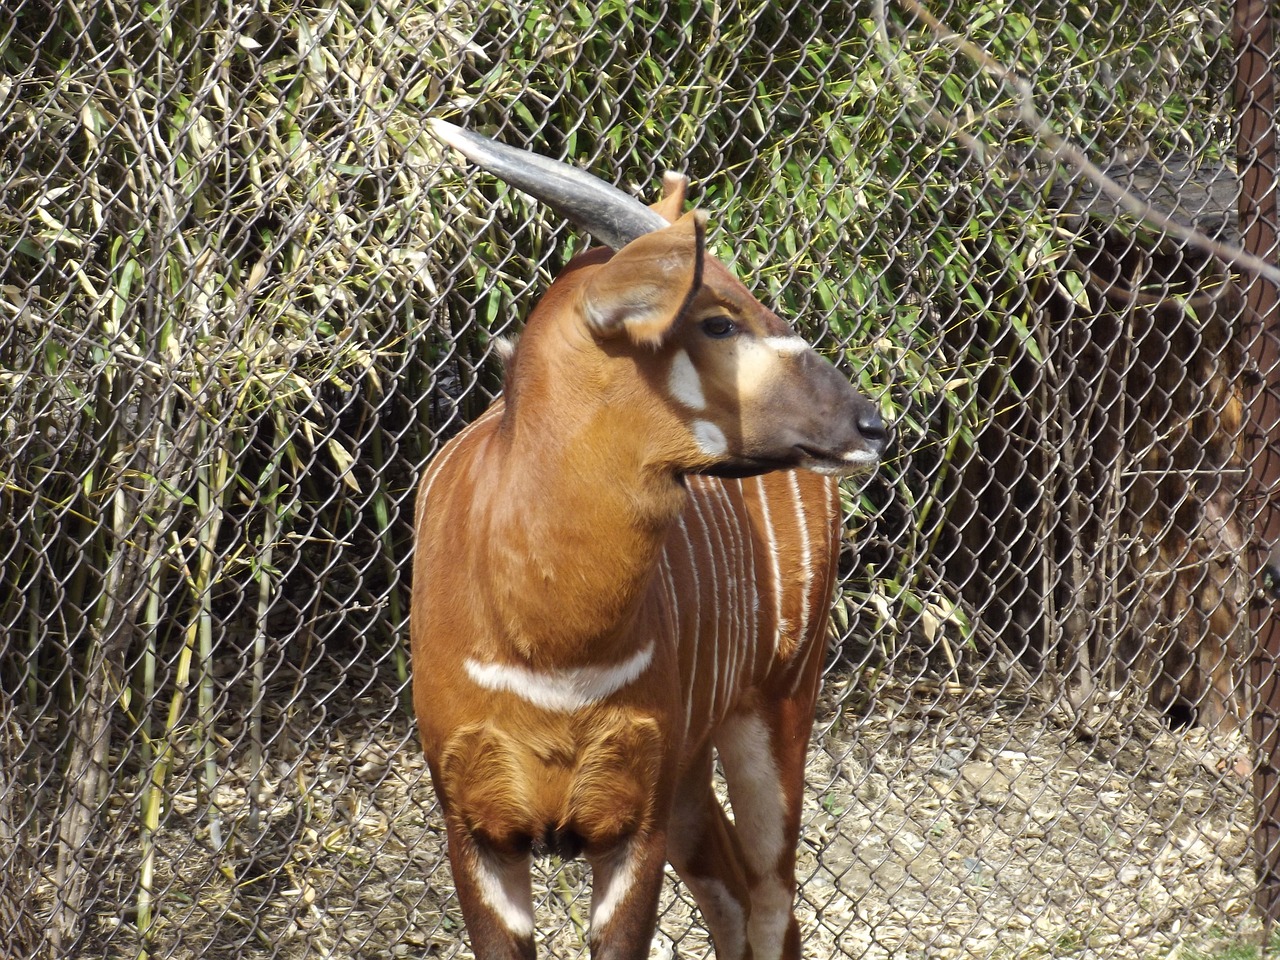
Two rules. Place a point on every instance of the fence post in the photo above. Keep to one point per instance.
(1255, 96)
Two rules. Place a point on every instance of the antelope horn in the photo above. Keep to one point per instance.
(602, 210)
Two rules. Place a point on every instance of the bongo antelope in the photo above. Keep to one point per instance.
(618, 569)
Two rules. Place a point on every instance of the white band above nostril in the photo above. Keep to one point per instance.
(787, 346)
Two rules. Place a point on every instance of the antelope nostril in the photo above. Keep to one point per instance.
(872, 426)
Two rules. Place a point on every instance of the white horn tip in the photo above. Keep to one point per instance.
(443, 129)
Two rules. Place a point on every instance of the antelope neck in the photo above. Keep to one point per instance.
(584, 522)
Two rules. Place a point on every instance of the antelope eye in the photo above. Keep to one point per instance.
(719, 327)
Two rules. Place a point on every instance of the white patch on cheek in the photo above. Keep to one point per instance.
(685, 384)
(710, 438)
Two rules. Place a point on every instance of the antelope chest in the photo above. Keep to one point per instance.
(571, 782)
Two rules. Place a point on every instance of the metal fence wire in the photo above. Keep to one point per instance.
(245, 296)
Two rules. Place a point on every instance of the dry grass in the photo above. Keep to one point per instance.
(935, 826)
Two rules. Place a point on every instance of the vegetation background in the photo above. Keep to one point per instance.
(244, 297)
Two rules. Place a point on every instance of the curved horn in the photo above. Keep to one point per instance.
(604, 211)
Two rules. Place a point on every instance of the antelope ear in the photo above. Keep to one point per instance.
(644, 287)
(674, 187)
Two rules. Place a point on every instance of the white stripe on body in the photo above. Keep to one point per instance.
(447, 453)
(717, 604)
(692, 674)
(753, 582)
(436, 467)
(673, 607)
(775, 568)
(743, 650)
(673, 622)
(727, 553)
(562, 690)
(724, 557)
(806, 557)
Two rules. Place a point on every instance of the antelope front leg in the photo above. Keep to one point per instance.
(763, 753)
(625, 884)
(495, 895)
(704, 848)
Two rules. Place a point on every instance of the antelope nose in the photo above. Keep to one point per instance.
(873, 429)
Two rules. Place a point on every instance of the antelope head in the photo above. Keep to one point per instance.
(744, 394)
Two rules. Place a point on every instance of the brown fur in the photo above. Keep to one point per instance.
(564, 533)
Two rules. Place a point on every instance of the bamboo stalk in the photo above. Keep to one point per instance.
(149, 802)
(265, 573)
(210, 489)
(382, 515)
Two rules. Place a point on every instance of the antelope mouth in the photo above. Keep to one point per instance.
(740, 468)
(835, 464)
(801, 457)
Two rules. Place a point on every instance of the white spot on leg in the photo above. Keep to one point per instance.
(612, 878)
(724, 916)
(684, 383)
(759, 809)
(770, 917)
(504, 887)
(710, 438)
(755, 788)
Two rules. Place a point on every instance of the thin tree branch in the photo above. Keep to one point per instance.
(1057, 148)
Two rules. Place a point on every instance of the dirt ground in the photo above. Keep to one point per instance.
(937, 825)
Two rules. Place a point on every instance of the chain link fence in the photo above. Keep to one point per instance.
(244, 297)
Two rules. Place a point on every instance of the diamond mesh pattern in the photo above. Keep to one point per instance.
(244, 298)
